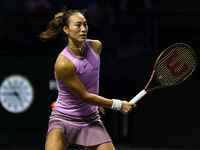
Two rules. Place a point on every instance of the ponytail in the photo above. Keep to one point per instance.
(54, 28)
(56, 25)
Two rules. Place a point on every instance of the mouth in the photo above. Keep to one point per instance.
(83, 36)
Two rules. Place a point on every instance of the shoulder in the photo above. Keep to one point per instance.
(63, 62)
(63, 65)
(96, 46)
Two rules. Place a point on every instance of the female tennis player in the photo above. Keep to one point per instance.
(75, 118)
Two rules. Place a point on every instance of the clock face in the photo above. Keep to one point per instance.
(16, 93)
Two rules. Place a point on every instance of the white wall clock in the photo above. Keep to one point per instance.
(16, 93)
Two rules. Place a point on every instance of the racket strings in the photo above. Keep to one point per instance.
(175, 65)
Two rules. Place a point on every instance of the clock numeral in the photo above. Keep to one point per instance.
(5, 87)
(10, 83)
(15, 106)
(21, 82)
(21, 105)
(25, 99)
(16, 81)
(9, 104)
(5, 100)
(25, 87)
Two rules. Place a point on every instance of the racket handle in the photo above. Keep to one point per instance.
(138, 96)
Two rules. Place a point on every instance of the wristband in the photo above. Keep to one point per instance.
(117, 104)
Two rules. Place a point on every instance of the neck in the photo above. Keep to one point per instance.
(77, 50)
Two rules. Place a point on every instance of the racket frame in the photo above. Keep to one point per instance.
(142, 93)
(154, 69)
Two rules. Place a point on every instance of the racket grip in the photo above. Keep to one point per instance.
(138, 96)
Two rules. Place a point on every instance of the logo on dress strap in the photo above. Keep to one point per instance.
(85, 65)
(95, 68)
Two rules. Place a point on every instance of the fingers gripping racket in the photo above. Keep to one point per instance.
(173, 66)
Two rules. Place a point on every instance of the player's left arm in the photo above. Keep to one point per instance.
(96, 46)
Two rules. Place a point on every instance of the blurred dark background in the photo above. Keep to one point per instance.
(133, 33)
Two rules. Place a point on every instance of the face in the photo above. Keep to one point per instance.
(78, 28)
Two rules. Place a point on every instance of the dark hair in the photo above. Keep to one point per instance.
(56, 25)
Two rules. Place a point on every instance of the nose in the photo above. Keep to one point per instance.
(84, 29)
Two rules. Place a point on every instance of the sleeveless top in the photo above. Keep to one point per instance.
(87, 69)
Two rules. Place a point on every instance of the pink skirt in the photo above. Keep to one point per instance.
(80, 131)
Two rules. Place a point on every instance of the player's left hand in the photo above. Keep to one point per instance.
(102, 110)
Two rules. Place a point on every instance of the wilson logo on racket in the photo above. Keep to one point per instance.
(174, 66)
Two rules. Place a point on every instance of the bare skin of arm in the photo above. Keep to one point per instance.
(65, 71)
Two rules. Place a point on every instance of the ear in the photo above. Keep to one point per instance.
(65, 29)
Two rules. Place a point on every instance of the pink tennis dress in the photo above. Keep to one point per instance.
(80, 122)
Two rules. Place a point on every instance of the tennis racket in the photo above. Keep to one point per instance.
(173, 66)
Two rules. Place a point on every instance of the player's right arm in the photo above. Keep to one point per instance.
(65, 71)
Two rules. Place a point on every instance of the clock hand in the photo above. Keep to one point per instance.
(8, 94)
(18, 97)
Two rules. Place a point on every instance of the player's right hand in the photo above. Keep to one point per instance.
(127, 107)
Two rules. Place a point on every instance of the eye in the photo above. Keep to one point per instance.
(85, 24)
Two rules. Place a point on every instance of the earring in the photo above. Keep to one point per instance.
(67, 33)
